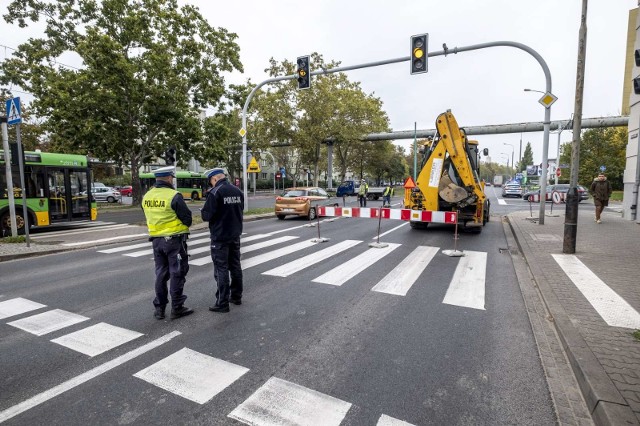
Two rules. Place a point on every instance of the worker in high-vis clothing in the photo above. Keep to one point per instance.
(362, 193)
(386, 195)
(168, 221)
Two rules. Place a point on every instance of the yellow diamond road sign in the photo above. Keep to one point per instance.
(254, 167)
(548, 99)
(242, 132)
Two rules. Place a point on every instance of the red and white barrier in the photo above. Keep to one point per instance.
(386, 213)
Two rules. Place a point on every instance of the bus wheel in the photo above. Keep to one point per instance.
(195, 196)
(5, 224)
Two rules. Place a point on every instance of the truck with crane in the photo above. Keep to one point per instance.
(448, 178)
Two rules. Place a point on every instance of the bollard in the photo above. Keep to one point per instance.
(344, 201)
(378, 244)
(455, 252)
(319, 239)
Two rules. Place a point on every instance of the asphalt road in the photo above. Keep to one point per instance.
(426, 357)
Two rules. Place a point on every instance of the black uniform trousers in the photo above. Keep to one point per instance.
(227, 270)
(172, 264)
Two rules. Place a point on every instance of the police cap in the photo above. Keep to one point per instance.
(165, 171)
(215, 171)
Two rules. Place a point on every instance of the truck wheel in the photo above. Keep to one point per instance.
(418, 225)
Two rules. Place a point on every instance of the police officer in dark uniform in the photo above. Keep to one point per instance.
(223, 209)
(168, 220)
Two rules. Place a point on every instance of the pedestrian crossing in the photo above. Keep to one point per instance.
(186, 373)
(467, 286)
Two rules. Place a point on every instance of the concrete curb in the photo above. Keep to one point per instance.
(604, 401)
(26, 254)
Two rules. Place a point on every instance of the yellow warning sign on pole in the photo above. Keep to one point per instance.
(254, 167)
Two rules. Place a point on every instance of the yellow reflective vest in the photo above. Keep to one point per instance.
(162, 220)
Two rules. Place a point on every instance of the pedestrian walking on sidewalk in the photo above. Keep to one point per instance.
(168, 221)
(223, 209)
(600, 191)
(362, 193)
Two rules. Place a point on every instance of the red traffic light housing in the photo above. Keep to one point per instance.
(419, 53)
(303, 72)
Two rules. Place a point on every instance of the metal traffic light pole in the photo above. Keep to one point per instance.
(445, 52)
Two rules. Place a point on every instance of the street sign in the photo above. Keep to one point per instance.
(242, 132)
(13, 111)
(558, 172)
(556, 197)
(409, 183)
(283, 172)
(254, 167)
(548, 99)
(278, 175)
(603, 168)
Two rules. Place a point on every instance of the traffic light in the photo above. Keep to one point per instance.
(170, 156)
(304, 76)
(419, 53)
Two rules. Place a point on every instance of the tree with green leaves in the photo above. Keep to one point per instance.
(148, 68)
(333, 108)
(527, 158)
(599, 147)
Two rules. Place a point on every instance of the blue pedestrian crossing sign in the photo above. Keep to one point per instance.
(13, 111)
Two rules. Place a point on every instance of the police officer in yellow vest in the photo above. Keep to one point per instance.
(168, 220)
(363, 191)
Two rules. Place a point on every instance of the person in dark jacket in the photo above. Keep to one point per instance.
(223, 209)
(600, 191)
(168, 221)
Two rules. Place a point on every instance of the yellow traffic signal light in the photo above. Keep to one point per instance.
(304, 76)
(419, 53)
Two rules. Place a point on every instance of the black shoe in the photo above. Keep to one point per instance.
(236, 301)
(159, 313)
(182, 311)
(220, 309)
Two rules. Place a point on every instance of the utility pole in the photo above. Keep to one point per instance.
(571, 215)
(520, 155)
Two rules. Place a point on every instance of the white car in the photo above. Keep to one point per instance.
(107, 194)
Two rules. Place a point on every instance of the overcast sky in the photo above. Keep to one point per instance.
(480, 87)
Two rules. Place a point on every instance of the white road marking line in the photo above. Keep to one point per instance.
(390, 230)
(311, 259)
(265, 257)
(48, 322)
(502, 202)
(192, 375)
(297, 227)
(97, 339)
(346, 271)
(150, 251)
(468, 282)
(401, 278)
(82, 231)
(103, 240)
(385, 420)
(279, 402)
(245, 249)
(82, 378)
(125, 248)
(613, 309)
(18, 306)
(254, 237)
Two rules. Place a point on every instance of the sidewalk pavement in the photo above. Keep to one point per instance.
(605, 359)
(12, 251)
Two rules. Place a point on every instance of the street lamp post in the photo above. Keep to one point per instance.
(512, 152)
(507, 156)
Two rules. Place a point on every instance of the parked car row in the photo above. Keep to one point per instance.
(562, 188)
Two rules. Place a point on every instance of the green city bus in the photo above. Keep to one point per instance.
(190, 184)
(58, 189)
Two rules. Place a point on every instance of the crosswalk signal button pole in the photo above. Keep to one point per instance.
(419, 53)
(303, 72)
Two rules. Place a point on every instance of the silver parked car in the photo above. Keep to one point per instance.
(107, 194)
(512, 190)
